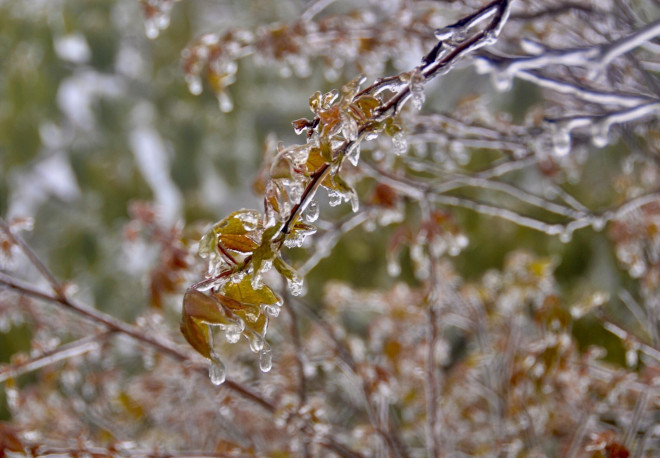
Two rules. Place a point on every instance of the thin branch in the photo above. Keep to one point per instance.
(115, 325)
(32, 256)
(315, 7)
(69, 350)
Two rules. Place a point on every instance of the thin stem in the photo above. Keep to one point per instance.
(115, 325)
(70, 350)
(34, 259)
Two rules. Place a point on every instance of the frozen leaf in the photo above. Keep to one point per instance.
(297, 234)
(199, 311)
(247, 311)
(9, 439)
(262, 256)
(294, 280)
(299, 125)
(367, 105)
(244, 293)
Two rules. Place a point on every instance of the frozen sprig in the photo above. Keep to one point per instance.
(248, 244)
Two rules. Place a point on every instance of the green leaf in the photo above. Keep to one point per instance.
(367, 104)
(241, 243)
(244, 293)
(248, 312)
(264, 252)
(285, 269)
(235, 223)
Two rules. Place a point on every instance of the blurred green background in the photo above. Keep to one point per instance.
(94, 115)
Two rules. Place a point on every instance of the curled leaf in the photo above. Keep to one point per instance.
(199, 311)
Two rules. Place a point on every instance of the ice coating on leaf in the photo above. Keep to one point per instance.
(265, 358)
(257, 276)
(353, 154)
(298, 233)
(349, 128)
(295, 281)
(232, 335)
(272, 310)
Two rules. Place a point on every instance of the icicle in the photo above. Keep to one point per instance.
(355, 201)
(217, 370)
(265, 358)
(566, 236)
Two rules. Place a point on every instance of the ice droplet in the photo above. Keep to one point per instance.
(296, 284)
(151, 29)
(265, 358)
(598, 223)
(445, 33)
(272, 310)
(225, 102)
(631, 357)
(532, 47)
(565, 236)
(393, 267)
(217, 370)
(334, 198)
(232, 335)
(600, 133)
(502, 80)
(256, 342)
(561, 141)
(311, 213)
(400, 143)
(194, 83)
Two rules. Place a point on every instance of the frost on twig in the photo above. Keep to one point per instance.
(247, 244)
